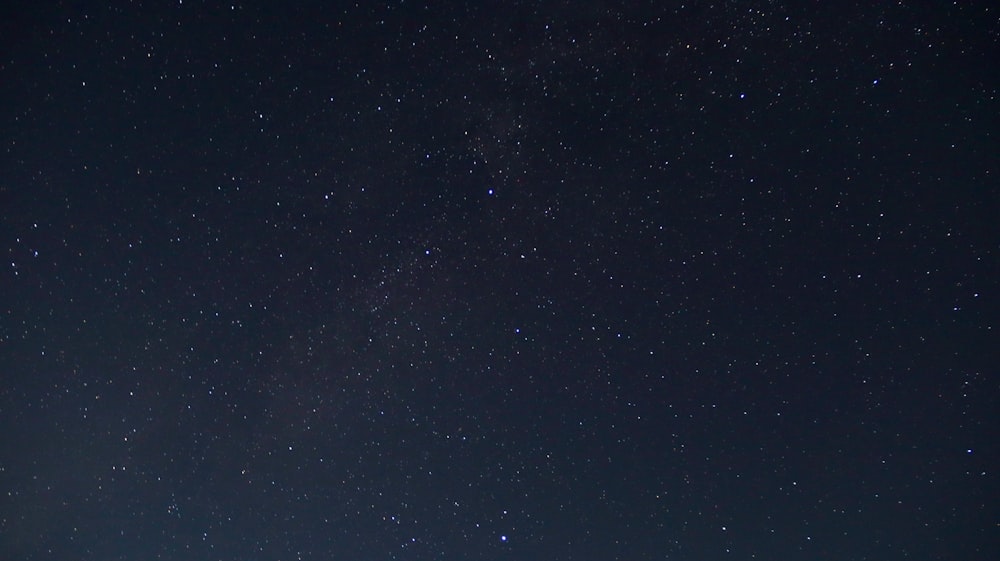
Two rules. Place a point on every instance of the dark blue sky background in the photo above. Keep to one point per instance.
(532, 281)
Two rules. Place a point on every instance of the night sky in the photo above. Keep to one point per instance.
(526, 281)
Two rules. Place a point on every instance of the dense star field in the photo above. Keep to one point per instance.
(526, 281)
